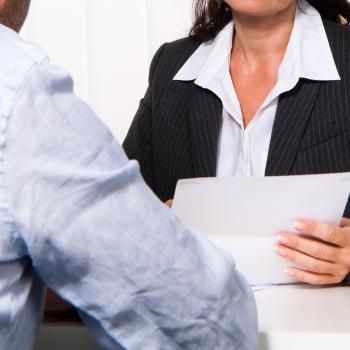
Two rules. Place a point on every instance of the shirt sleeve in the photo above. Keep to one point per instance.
(98, 236)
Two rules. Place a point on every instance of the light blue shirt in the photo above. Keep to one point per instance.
(76, 215)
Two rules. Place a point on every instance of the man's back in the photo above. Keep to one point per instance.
(22, 292)
(77, 212)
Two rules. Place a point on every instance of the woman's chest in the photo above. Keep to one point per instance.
(252, 88)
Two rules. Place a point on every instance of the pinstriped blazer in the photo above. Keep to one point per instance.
(175, 132)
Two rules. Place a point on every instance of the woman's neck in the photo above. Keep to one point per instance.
(259, 39)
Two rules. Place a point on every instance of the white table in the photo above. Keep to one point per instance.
(290, 318)
(304, 317)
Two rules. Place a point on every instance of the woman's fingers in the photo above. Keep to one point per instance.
(321, 257)
(317, 249)
(307, 262)
(328, 233)
(312, 278)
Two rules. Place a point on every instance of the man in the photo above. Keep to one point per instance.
(76, 215)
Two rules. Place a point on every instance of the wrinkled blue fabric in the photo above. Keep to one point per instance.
(76, 215)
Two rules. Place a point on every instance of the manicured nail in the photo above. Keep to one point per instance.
(280, 251)
(282, 239)
(300, 226)
(289, 272)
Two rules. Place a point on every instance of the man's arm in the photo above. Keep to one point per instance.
(100, 239)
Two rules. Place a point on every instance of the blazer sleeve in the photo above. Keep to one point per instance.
(138, 142)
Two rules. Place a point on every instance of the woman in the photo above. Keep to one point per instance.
(260, 87)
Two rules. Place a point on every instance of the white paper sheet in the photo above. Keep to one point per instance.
(244, 215)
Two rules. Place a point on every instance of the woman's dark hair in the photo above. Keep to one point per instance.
(212, 15)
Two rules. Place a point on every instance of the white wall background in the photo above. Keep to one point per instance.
(107, 46)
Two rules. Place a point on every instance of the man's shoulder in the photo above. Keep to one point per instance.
(173, 55)
(17, 56)
(17, 59)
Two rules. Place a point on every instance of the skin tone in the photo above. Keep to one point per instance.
(321, 250)
(13, 13)
(319, 253)
(259, 26)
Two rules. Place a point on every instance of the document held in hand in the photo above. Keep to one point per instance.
(243, 215)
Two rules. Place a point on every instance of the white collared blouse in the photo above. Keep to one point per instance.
(244, 151)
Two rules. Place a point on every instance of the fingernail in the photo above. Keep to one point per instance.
(280, 251)
(282, 239)
(300, 226)
(289, 272)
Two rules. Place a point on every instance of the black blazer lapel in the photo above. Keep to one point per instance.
(292, 116)
(205, 110)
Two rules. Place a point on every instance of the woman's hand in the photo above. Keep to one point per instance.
(323, 256)
(169, 203)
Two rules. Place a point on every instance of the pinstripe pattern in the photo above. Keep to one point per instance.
(176, 131)
(293, 112)
(205, 114)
